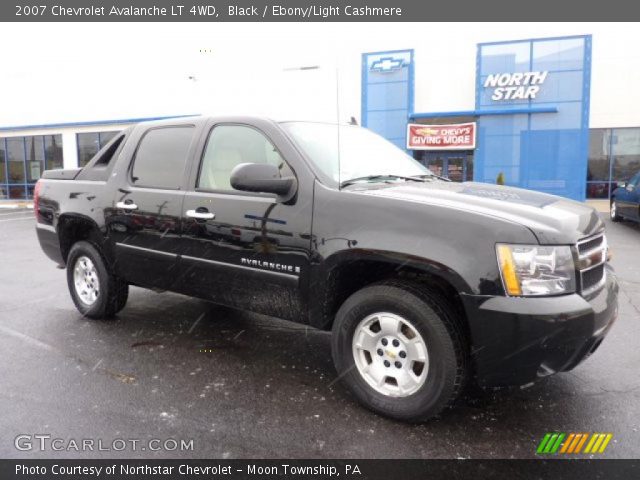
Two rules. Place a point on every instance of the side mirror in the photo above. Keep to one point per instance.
(261, 178)
(630, 188)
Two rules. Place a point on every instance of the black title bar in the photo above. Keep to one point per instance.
(313, 11)
(324, 469)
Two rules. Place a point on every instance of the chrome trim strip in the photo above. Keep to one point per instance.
(231, 196)
(148, 250)
(602, 250)
(591, 267)
(588, 239)
(588, 253)
(241, 267)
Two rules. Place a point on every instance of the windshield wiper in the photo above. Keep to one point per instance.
(351, 181)
(432, 175)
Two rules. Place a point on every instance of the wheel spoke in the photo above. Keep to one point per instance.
(416, 349)
(375, 371)
(366, 339)
(407, 380)
(389, 325)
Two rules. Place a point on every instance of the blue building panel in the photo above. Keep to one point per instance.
(391, 124)
(561, 87)
(559, 53)
(504, 124)
(540, 151)
(505, 57)
(385, 96)
(387, 93)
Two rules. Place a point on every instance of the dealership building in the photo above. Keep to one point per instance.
(541, 113)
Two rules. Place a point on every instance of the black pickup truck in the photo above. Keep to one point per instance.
(426, 285)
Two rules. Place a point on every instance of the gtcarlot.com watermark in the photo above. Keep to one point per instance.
(45, 442)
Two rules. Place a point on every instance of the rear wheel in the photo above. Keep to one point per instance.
(613, 211)
(95, 290)
(398, 347)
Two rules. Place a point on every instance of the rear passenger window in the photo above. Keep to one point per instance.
(161, 157)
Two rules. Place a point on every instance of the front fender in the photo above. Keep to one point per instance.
(454, 244)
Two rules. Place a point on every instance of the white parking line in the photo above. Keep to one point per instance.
(16, 219)
(12, 207)
(26, 338)
(19, 212)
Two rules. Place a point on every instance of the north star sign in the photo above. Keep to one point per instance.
(515, 86)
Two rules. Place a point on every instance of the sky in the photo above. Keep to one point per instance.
(60, 72)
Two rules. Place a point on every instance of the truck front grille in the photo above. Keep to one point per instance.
(592, 255)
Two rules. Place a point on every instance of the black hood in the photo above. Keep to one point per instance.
(552, 219)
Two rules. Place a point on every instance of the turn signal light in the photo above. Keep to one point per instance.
(508, 268)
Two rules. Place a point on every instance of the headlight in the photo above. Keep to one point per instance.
(530, 270)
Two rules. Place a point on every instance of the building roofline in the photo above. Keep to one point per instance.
(91, 123)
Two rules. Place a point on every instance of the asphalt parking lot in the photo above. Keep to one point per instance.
(241, 385)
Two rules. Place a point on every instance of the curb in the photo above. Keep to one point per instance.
(13, 205)
(602, 206)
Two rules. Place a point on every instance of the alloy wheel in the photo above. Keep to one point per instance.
(390, 354)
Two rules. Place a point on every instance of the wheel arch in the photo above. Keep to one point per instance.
(72, 228)
(345, 273)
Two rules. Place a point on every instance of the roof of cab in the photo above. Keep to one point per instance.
(199, 119)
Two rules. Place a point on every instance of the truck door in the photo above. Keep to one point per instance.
(144, 221)
(244, 249)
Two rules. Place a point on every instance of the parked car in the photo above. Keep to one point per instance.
(625, 200)
(426, 285)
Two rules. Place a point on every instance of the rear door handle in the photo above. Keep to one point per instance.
(200, 215)
(127, 206)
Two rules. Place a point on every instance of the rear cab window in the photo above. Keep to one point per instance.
(101, 165)
(161, 157)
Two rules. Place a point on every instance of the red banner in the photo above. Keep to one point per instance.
(460, 136)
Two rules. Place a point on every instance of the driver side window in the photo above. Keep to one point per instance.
(231, 145)
(634, 180)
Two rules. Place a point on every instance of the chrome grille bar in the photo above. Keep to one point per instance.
(592, 254)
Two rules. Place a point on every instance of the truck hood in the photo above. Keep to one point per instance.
(552, 219)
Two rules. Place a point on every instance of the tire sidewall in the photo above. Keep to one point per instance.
(614, 216)
(434, 394)
(99, 307)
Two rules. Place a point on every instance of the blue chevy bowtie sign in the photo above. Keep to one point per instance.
(387, 64)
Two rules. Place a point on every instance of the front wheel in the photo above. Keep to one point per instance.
(613, 212)
(398, 347)
(96, 292)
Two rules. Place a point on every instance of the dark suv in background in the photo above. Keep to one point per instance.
(625, 200)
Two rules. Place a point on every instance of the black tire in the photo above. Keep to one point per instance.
(613, 211)
(113, 292)
(435, 320)
(122, 294)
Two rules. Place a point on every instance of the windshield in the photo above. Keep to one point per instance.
(362, 152)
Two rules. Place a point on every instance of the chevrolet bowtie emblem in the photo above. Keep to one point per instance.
(391, 354)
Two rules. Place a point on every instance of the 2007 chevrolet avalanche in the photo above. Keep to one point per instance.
(427, 285)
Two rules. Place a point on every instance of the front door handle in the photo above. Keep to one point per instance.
(200, 215)
(127, 206)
